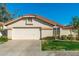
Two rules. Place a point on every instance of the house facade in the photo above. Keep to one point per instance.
(35, 27)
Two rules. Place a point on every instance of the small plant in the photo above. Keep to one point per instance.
(63, 37)
(3, 39)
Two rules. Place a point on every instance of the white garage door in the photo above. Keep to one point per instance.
(26, 33)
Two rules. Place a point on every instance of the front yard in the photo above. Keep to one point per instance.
(59, 45)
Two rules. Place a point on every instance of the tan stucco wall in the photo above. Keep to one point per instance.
(21, 23)
(9, 32)
(64, 31)
(47, 33)
(67, 32)
(74, 34)
(35, 23)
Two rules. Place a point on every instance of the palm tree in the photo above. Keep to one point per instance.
(75, 24)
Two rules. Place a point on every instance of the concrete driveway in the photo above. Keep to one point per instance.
(30, 48)
(22, 48)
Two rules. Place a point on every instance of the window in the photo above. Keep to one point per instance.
(29, 21)
(56, 31)
(54, 28)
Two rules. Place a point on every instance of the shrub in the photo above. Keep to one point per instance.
(57, 37)
(70, 37)
(63, 37)
(3, 39)
(49, 38)
(77, 38)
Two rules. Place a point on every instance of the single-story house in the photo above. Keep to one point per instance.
(35, 27)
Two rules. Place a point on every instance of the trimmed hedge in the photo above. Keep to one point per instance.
(70, 37)
(48, 38)
(63, 37)
(77, 38)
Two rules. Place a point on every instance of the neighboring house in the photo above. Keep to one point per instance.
(35, 27)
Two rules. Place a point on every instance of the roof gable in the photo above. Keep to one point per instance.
(36, 16)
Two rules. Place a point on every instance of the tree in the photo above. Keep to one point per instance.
(75, 24)
(4, 13)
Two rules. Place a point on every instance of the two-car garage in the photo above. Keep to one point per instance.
(31, 27)
(25, 33)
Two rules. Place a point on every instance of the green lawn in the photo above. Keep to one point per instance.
(57, 45)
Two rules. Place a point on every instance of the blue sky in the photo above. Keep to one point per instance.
(61, 13)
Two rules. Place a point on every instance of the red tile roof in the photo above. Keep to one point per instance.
(44, 19)
(68, 27)
(38, 17)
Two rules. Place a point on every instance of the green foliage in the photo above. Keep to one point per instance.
(75, 24)
(1, 28)
(75, 21)
(70, 37)
(3, 39)
(63, 37)
(4, 13)
(77, 38)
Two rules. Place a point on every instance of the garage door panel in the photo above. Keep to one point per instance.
(26, 33)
